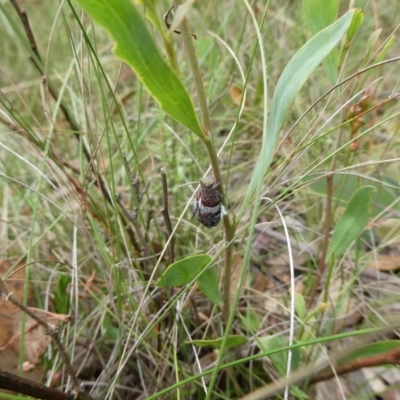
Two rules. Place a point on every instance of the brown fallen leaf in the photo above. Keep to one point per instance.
(236, 95)
(36, 339)
(14, 282)
(385, 262)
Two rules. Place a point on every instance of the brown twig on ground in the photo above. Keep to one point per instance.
(390, 357)
(33, 389)
(51, 330)
(165, 213)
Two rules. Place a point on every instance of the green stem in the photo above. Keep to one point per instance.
(209, 142)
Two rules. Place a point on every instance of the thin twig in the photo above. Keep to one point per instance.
(33, 389)
(165, 213)
(132, 218)
(25, 22)
(390, 357)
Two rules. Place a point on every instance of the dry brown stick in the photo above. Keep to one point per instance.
(36, 390)
(51, 330)
(27, 27)
(390, 357)
(132, 217)
(165, 213)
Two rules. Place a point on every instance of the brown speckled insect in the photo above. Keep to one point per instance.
(207, 204)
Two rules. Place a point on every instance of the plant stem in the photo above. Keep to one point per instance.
(325, 243)
(209, 142)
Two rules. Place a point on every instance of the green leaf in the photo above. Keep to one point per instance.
(384, 196)
(386, 49)
(135, 46)
(318, 15)
(296, 72)
(278, 359)
(371, 350)
(61, 295)
(183, 271)
(232, 341)
(300, 305)
(355, 24)
(108, 330)
(352, 222)
(209, 284)
(372, 41)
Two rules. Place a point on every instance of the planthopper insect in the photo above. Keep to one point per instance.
(207, 203)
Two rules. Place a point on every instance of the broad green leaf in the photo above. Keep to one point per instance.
(135, 46)
(232, 341)
(318, 15)
(296, 72)
(208, 283)
(352, 222)
(183, 271)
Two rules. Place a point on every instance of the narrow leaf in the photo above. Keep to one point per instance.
(135, 46)
(232, 341)
(209, 284)
(352, 222)
(290, 82)
(371, 350)
(389, 43)
(183, 271)
(355, 24)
